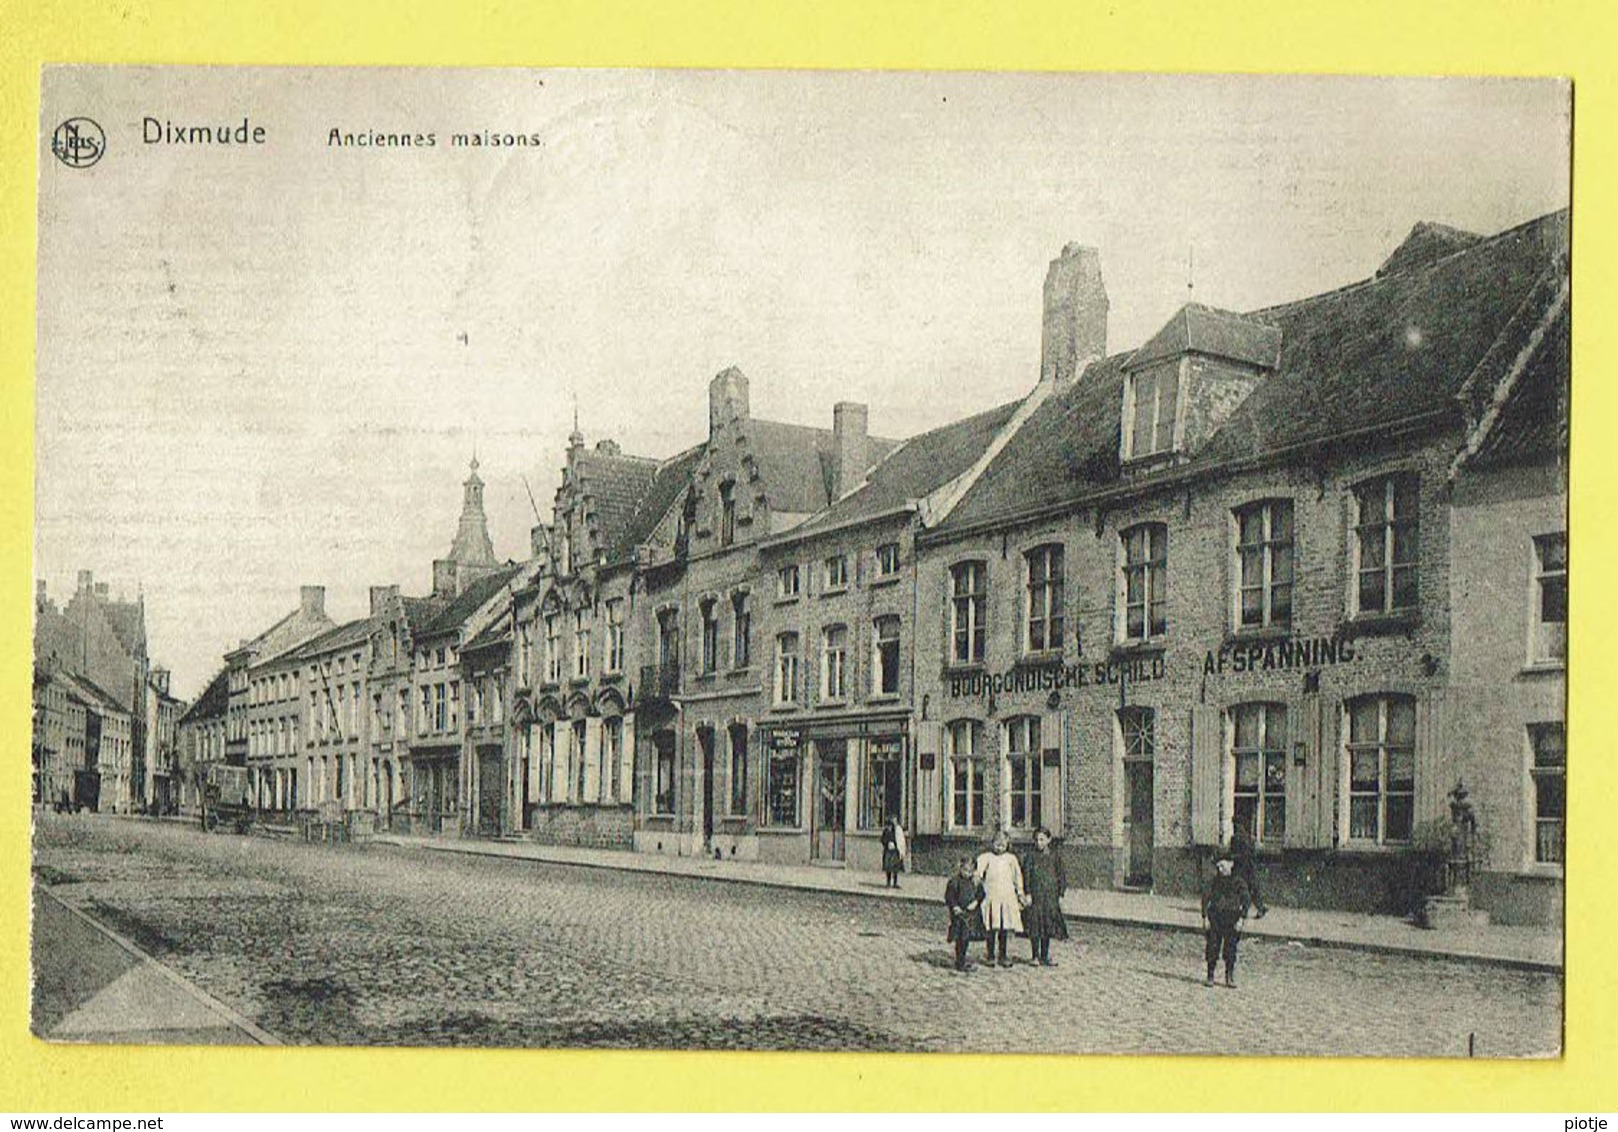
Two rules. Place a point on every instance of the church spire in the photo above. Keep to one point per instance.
(472, 546)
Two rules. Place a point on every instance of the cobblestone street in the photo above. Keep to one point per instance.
(361, 945)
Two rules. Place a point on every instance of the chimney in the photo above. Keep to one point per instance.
(727, 399)
(380, 596)
(445, 582)
(851, 447)
(1075, 314)
(86, 581)
(312, 601)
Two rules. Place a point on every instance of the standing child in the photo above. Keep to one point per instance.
(963, 896)
(1000, 873)
(893, 850)
(1224, 907)
(1046, 881)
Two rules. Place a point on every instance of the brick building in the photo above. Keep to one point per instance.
(200, 735)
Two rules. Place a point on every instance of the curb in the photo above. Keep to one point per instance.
(1372, 947)
(227, 1015)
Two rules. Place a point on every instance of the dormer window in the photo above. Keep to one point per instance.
(1151, 405)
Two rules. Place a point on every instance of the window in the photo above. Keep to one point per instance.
(968, 594)
(1137, 725)
(1145, 582)
(440, 708)
(786, 668)
(966, 774)
(615, 635)
(1042, 609)
(1151, 402)
(663, 786)
(741, 645)
(525, 650)
(885, 657)
(1382, 768)
(1549, 776)
(1385, 544)
(787, 581)
(1550, 600)
(668, 643)
(738, 769)
(1264, 564)
(836, 573)
(1023, 771)
(887, 560)
(834, 663)
(1259, 750)
(576, 752)
(710, 635)
(553, 649)
(612, 753)
(581, 643)
(783, 786)
(884, 781)
(727, 513)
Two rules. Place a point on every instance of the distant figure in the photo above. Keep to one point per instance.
(893, 850)
(1242, 852)
(963, 896)
(1000, 874)
(1046, 882)
(1224, 907)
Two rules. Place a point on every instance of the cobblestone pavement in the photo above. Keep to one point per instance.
(375, 945)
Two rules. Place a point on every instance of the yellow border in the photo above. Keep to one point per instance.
(1356, 36)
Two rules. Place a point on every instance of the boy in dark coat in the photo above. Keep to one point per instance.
(963, 896)
(1045, 881)
(1242, 853)
(1224, 907)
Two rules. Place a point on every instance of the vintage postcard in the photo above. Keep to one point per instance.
(801, 561)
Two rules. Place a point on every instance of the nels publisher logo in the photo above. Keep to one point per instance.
(78, 143)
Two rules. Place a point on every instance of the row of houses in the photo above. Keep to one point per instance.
(1301, 570)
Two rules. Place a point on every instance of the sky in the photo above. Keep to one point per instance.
(264, 366)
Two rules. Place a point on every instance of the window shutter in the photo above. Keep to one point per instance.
(1053, 798)
(626, 760)
(1434, 776)
(1326, 778)
(1207, 776)
(1303, 782)
(929, 780)
(592, 759)
(560, 742)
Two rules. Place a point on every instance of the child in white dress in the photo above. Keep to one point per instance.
(1000, 874)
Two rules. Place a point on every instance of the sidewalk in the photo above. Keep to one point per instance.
(1533, 949)
(92, 985)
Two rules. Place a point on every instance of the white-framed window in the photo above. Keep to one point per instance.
(1548, 644)
(1023, 772)
(1258, 751)
(1043, 603)
(885, 656)
(1264, 559)
(965, 742)
(788, 581)
(887, 560)
(1143, 582)
(709, 609)
(786, 668)
(581, 643)
(1547, 772)
(836, 576)
(741, 636)
(1386, 544)
(615, 634)
(967, 607)
(1151, 409)
(1381, 768)
(553, 648)
(834, 663)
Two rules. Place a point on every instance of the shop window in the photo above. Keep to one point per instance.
(887, 560)
(741, 645)
(1386, 544)
(1381, 768)
(1259, 753)
(782, 788)
(1549, 645)
(834, 663)
(786, 668)
(885, 657)
(1024, 771)
(968, 602)
(663, 783)
(1042, 605)
(1143, 585)
(1548, 775)
(884, 781)
(1264, 564)
(966, 774)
